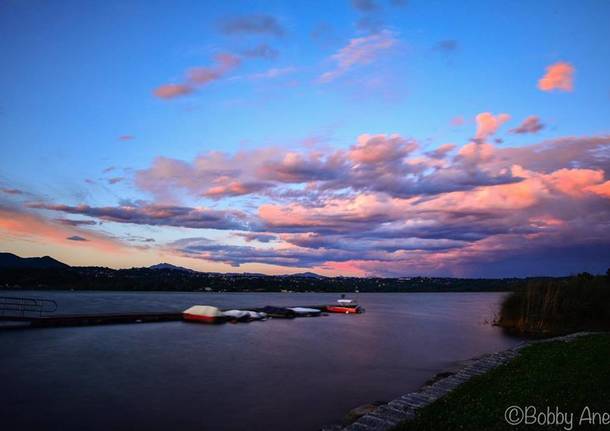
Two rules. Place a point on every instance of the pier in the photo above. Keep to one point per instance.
(39, 313)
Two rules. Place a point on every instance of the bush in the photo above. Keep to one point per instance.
(558, 305)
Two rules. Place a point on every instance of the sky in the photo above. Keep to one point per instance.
(353, 137)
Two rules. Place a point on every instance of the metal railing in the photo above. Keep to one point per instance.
(25, 307)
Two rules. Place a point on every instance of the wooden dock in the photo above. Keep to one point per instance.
(39, 313)
(93, 319)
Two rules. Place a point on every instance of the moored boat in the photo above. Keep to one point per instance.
(278, 312)
(203, 314)
(345, 306)
(243, 315)
(306, 311)
(344, 309)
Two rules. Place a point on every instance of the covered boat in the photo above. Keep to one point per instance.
(305, 311)
(278, 312)
(243, 315)
(203, 314)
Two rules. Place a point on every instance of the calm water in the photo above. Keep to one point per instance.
(279, 374)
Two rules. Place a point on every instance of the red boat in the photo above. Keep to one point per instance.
(343, 309)
(345, 306)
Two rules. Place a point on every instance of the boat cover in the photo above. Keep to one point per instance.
(203, 310)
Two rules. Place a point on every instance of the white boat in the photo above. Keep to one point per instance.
(203, 314)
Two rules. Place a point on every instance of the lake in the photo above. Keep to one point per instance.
(278, 374)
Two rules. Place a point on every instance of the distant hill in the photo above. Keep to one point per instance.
(170, 266)
(307, 275)
(10, 260)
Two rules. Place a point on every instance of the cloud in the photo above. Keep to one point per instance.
(126, 138)
(260, 237)
(261, 51)
(380, 163)
(359, 51)
(531, 124)
(365, 5)
(441, 151)
(274, 72)
(380, 206)
(488, 124)
(171, 91)
(156, 215)
(115, 180)
(457, 121)
(76, 238)
(20, 224)
(447, 46)
(224, 63)
(226, 187)
(372, 149)
(558, 76)
(252, 24)
(199, 76)
(71, 222)
(11, 191)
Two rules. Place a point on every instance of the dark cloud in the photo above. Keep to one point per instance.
(157, 215)
(531, 124)
(252, 24)
(115, 180)
(70, 222)
(76, 238)
(365, 5)
(384, 206)
(10, 191)
(260, 237)
(371, 24)
(447, 46)
(261, 51)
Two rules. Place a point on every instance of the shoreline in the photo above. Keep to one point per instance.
(387, 416)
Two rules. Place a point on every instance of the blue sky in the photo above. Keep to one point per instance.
(78, 76)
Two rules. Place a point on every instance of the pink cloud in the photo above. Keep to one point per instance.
(126, 138)
(558, 76)
(234, 188)
(602, 189)
(171, 91)
(359, 51)
(24, 225)
(381, 207)
(488, 124)
(380, 148)
(457, 121)
(199, 76)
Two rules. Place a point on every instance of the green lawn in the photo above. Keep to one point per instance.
(569, 376)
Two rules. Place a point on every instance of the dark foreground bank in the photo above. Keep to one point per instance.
(569, 377)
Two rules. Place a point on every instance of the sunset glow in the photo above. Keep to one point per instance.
(273, 137)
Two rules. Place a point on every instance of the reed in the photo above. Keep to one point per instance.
(554, 306)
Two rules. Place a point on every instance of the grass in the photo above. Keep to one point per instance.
(555, 306)
(569, 376)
